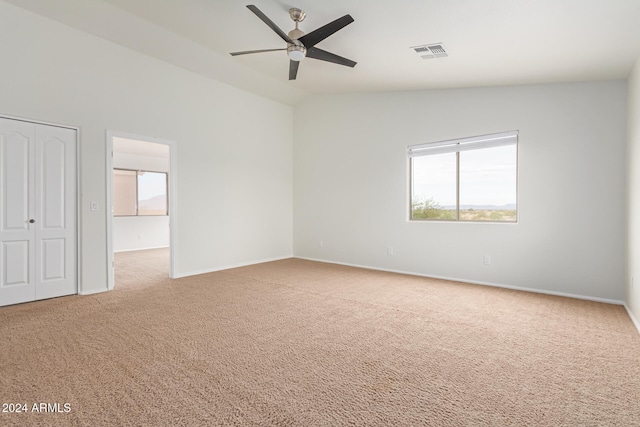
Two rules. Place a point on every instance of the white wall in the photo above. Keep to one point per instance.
(633, 134)
(234, 148)
(351, 191)
(139, 162)
(132, 233)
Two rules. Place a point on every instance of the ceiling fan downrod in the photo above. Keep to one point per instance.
(296, 50)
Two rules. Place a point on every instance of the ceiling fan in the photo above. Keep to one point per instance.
(301, 45)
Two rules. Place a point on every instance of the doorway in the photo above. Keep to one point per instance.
(141, 195)
(38, 203)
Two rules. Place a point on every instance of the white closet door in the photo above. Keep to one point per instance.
(38, 205)
(17, 206)
(55, 234)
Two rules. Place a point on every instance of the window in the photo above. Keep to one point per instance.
(469, 179)
(141, 193)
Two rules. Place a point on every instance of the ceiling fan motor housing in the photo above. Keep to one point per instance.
(295, 34)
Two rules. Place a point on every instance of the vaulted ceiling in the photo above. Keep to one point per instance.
(489, 42)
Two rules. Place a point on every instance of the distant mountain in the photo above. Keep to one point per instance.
(510, 206)
(154, 204)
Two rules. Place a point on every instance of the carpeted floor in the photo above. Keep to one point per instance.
(300, 343)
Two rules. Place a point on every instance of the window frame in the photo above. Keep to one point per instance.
(138, 171)
(459, 141)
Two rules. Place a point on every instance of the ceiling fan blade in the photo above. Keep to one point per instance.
(246, 52)
(316, 36)
(293, 69)
(323, 55)
(269, 22)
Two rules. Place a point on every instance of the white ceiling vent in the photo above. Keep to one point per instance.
(430, 51)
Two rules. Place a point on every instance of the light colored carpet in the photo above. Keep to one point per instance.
(300, 343)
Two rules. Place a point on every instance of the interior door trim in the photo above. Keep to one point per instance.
(173, 191)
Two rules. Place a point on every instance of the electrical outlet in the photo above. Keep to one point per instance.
(631, 282)
(486, 260)
(321, 244)
(389, 250)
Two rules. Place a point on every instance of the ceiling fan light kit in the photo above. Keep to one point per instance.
(301, 45)
(296, 51)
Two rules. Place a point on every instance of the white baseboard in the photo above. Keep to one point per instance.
(496, 285)
(227, 267)
(633, 318)
(141, 249)
(93, 291)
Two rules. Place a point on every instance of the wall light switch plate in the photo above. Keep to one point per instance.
(94, 206)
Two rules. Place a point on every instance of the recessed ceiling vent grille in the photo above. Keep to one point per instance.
(430, 51)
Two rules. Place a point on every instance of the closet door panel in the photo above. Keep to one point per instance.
(17, 210)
